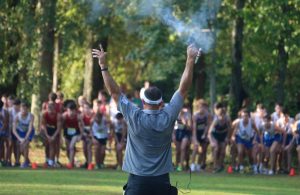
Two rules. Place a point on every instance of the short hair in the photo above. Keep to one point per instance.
(201, 102)
(268, 117)
(244, 110)
(52, 96)
(11, 97)
(71, 105)
(219, 105)
(285, 111)
(153, 94)
(1, 104)
(25, 104)
(260, 106)
(17, 102)
(60, 94)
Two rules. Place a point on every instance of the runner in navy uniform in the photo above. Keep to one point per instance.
(218, 135)
(201, 123)
(183, 134)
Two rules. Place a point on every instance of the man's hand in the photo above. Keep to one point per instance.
(101, 55)
(110, 83)
(187, 76)
(192, 52)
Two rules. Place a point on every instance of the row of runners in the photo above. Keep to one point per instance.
(94, 125)
(263, 140)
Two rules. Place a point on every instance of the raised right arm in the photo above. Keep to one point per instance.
(187, 76)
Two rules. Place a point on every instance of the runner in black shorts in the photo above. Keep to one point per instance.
(218, 135)
(73, 130)
(120, 131)
(201, 123)
(296, 133)
(100, 125)
(182, 134)
(51, 125)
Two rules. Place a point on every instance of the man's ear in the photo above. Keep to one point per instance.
(161, 103)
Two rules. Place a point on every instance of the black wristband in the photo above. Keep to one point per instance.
(104, 69)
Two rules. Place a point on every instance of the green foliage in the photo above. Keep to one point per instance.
(142, 48)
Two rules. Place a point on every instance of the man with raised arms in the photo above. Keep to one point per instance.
(148, 155)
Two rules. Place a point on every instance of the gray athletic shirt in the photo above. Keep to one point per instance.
(148, 150)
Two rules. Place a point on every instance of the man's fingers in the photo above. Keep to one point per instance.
(96, 52)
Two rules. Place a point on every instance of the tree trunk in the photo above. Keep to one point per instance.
(44, 68)
(212, 81)
(47, 47)
(237, 57)
(283, 59)
(55, 64)
(88, 72)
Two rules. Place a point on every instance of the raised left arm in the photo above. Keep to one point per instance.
(110, 83)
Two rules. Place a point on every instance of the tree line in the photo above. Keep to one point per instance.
(46, 46)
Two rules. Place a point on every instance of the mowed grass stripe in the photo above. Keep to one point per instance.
(43, 181)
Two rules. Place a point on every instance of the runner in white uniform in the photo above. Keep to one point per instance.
(100, 126)
(285, 160)
(244, 136)
(120, 133)
(24, 132)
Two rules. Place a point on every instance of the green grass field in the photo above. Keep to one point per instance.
(77, 181)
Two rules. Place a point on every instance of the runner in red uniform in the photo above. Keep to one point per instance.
(73, 130)
(87, 115)
(51, 125)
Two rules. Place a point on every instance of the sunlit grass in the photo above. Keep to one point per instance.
(107, 181)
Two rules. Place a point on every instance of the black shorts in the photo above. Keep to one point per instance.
(199, 135)
(101, 141)
(51, 130)
(149, 185)
(220, 137)
(180, 134)
(69, 136)
(119, 137)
